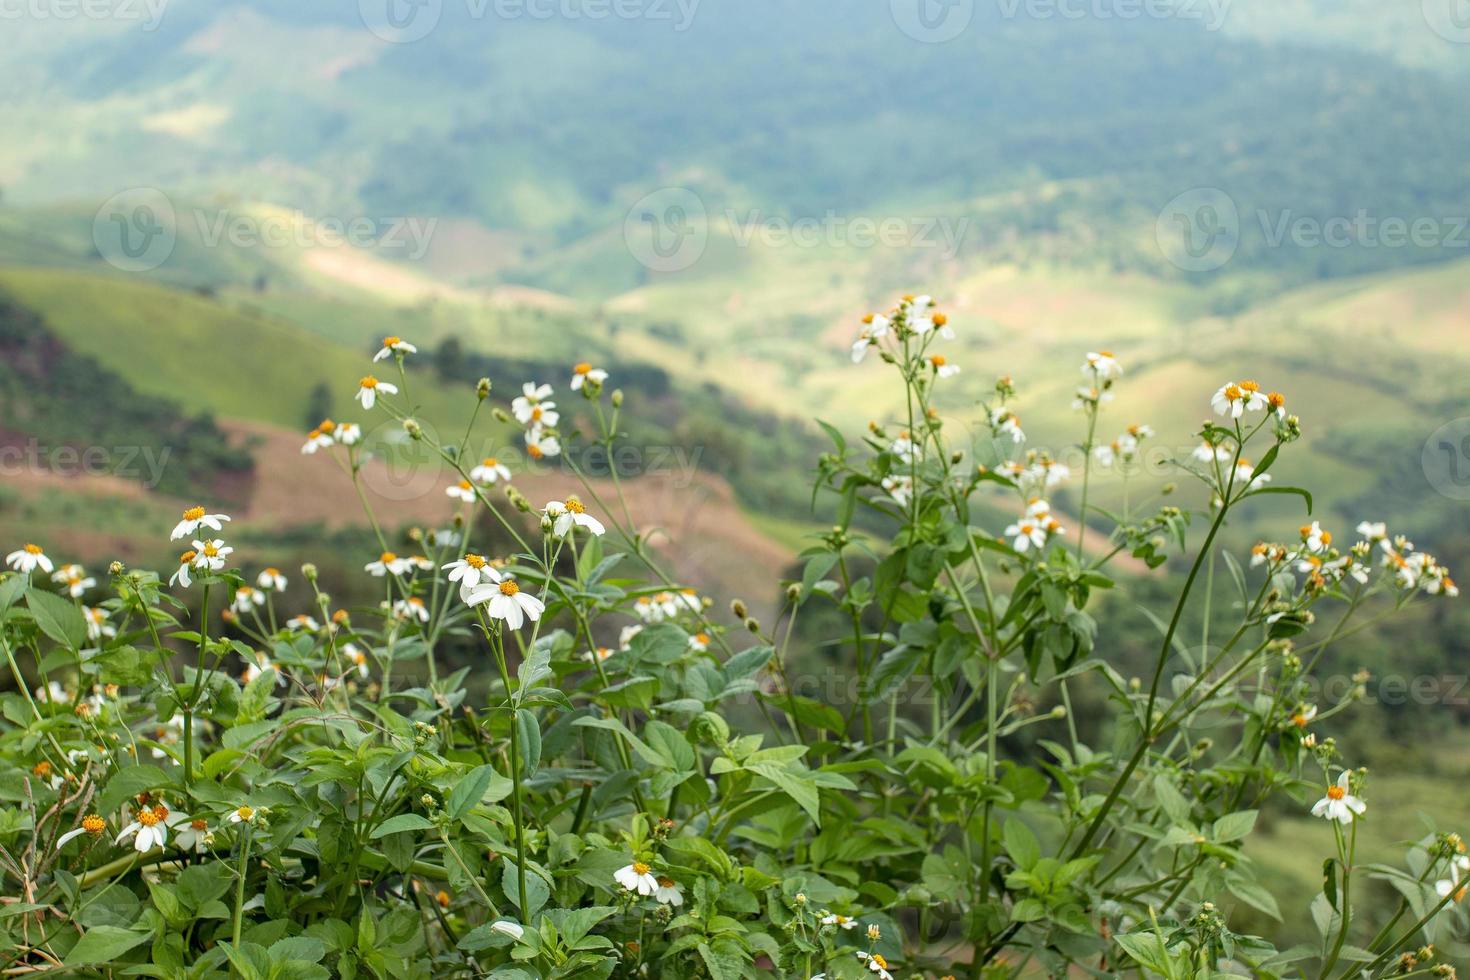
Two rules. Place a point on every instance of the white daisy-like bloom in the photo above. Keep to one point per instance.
(52, 692)
(411, 608)
(181, 576)
(1245, 474)
(1339, 804)
(463, 491)
(97, 626)
(507, 928)
(671, 603)
(190, 834)
(900, 488)
(244, 813)
(1045, 473)
(570, 513)
(356, 657)
(28, 558)
(1304, 716)
(272, 580)
(74, 580)
(211, 554)
(1207, 452)
(1102, 364)
(625, 636)
(598, 655)
(388, 563)
(370, 387)
(506, 602)
(349, 433)
(637, 877)
(860, 347)
(1373, 530)
(699, 641)
(919, 313)
(92, 825)
(490, 470)
(194, 519)
(147, 831)
(263, 664)
(534, 405)
(541, 443)
(1027, 533)
(469, 570)
(1459, 865)
(903, 447)
(304, 623)
(1007, 423)
(648, 610)
(392, 346)
(839, 920)
(585, 372)
(1038, 507)
(1315, 538)
(167, 733)
(669, 892)
(690, 600)
(1091, 396)
(246, 599)
(316, 439)
(876, 963)
(1237, 398)
(942, 367)
(876, 326)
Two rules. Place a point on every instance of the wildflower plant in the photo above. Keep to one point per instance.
(207, 776)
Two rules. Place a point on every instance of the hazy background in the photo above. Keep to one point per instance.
(210, 212)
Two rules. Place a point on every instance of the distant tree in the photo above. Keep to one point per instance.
(449, 359)
(318, 404)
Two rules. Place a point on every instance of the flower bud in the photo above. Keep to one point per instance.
(414, 430)
(116, 568)
(753, 625)
(308, 571)
(482, 388)
(617, 398)
(737, 608)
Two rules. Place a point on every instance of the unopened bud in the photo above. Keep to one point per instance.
(309, 572)
(482, 388)
(737, 608)
(793, 592)
(414, 430)
(753, 625)
(116, 568)
(617, 398)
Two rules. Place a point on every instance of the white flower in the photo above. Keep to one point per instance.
(1207, 452)
(463, 491)
(541, 444)
(91, 824)
(1007, 423)
(211, 554)
(28, 559)
(1373, 531)
(506, 602)
(52, 692)
(194, 518)
(625, 636)
(669, 892)
(571, 513)
(507, 928)
(900, 488)
(1238, 397)
(1091, 396)
(261, 665)
(181, 576)
(246, 599)
(598, 655)
(1315, 538)
(369, 387)
(303, 622)
(490, 470)
(585, 372)
(919, 313)
(148, 831)
(394, 345)
(74, 580)
(1339, 804)
(243, 814)
(903, 447)
(942, 367)
(1026, 534)
(699, 641)
(271, 579)
(1245, 474)
(876, 963)
(387, 563)
(534, 407)
(468, 571)
(190, 834)
(648, 610)
(636, 878)
(356, 657)
(411, 608)
(97, 626)
(1102, 364)
(840, 921)
(349, 433)
(316, 439)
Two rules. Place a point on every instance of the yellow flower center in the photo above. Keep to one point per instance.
(665, 882)
(199, 825)
(490, 461)
(1276, 399)
(475, 561)
(464, 484)
(187, 557)
(1249, 387)
(509, 588)
(314, 434)
(387, 556)
(868, 318)
(390, 341)
(93, 824)
(939, 319)
(937, 360)
(575, 506)
(1300, 721)
(148, 818)
(193, 513)
(1232, 393)
(536, 412)
(639, 868)
(41, 769)
(583, 368)
(245, 813)
(369, 382)
(33, 549)
(1105, 353)
(879, 961)
(327, 425)
(534, 452)
(210, 551)
(1336, 792)
(415, 601)
(702, 637)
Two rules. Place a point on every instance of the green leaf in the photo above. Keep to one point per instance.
(129, 782)
(58, 618)
(1021, 844)
(103, 944)
(529, 729)
(472, 789)
(1234, 826)
(400, 823)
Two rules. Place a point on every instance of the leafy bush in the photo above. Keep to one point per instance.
(310, 796)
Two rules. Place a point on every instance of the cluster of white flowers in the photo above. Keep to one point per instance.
(1124, 448)
(638, 879)
(1034, 527)
(915, 317)
(1235, 398)
(535, 410)
(206, 554)
(663, 606)
(1315, 557)
(329, 434)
